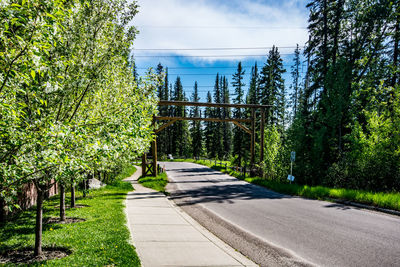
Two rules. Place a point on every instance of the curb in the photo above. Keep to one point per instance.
(237, 256)
(364, 206)
(242, 259)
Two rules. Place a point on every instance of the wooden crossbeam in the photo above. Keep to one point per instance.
(244, 128)
(218, 105)
(202, 119)
(165, 125)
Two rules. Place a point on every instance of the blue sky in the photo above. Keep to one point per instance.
(178, 24)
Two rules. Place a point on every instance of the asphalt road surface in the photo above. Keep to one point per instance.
(279, 230)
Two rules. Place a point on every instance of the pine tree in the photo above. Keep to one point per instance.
(162, 137)
(208, 129)
(217, 126)
(196, 131)
(254, 89)
(166, 91)
(272, 89)
(160, 78)
(238, 135)
(170, 130)
(295, 87)
(186, 145)
(226, 126)
(253, 97)
(180, 133)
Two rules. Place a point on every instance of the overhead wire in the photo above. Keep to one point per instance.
(206, 55)
(208, 74)
(219, 27)
(212, 48)
(210, 67)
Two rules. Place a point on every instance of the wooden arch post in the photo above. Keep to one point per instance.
(154, 151)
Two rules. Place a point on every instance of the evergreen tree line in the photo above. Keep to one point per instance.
(347, 121)
(342, 118)
(222, 140)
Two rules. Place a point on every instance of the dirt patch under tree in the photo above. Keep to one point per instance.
(25, 255)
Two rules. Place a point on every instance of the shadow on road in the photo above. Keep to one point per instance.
(339, 206)
(197, 170)
(227, 193)
(217, 188)
(215, 181)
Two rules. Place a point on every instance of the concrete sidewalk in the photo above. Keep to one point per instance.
(166, 236)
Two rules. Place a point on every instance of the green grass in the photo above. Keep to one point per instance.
(126, 172)
(377, 199)
(103, 239)
(157, 183)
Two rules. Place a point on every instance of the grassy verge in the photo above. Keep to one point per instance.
(157, 183)
(101, 240)
(126, 172)
(377, 199)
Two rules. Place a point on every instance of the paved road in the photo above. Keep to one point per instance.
(276, 230)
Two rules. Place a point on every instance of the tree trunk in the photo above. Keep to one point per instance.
(39, 222)
(3, 213)
(62, 202)
(72, 195)
(84, 188)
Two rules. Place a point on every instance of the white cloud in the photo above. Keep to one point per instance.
(218, 26)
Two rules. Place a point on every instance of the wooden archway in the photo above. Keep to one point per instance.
(151, 168)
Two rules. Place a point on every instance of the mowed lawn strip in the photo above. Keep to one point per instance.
(157, 183)
(385, 200)
(103, 239)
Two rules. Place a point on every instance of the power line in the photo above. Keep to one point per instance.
(198, 85)
(211, 48)
(220, 27)
(207, 74)
(203, 74)
(183, 68)
(211, 67)
(208, 55)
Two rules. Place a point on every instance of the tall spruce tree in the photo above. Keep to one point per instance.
(162, 92)
(208, 128)
(195, 130)
(160, 79)
(239, 150)
(226, 113)
(272, 89)
(217, 126)
(180, 142)
(170, 130)
(295, 86)
(186, 140)
(253, 97)
(254, 89)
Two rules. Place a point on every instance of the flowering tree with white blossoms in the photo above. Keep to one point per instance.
(68, 98)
